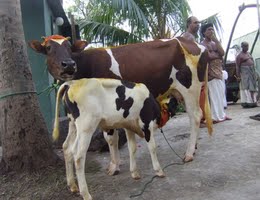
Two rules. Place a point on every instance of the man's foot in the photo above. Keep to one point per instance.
(228, 118)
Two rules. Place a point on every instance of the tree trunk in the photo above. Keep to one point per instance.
(25, 141)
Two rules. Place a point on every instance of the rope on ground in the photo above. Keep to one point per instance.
(150, 181)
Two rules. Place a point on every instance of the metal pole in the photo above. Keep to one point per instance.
(241, 9)
(258, 14)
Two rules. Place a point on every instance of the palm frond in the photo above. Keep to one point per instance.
(110, 35)
(216, 23)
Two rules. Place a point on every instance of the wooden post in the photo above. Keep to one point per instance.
(73, 30)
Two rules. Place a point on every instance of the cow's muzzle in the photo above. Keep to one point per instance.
(69, 67)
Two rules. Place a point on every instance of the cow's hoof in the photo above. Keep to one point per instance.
(135, 175)
(160, 173)
(188, 158)
(74, 188)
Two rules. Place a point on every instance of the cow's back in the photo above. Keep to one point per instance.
(150, 63)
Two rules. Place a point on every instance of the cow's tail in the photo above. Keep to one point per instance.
(55, 132)
(206, 105)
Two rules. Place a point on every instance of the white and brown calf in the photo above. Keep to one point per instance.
(107, 104)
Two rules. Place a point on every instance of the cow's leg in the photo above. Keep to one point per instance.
(131, 142)
(195, 113)
(112, 140)
(82, 142)
(68, 156)
(153, 148)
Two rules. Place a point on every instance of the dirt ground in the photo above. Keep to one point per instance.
(226, 166)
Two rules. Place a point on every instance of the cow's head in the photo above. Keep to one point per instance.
(58, 51)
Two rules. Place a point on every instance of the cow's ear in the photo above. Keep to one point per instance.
(37, 46)
(79, 46)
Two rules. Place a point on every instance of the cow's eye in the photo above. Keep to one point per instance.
(48, 48)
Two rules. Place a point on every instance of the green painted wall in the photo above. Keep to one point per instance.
(37, 22)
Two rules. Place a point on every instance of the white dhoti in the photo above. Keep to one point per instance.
(216, 96)
(224, 78)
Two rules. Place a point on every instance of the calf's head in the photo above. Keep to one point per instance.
(58, 51)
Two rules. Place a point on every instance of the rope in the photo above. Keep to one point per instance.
(150, 181)
(48, 90)
(170, 145)
(16, 93)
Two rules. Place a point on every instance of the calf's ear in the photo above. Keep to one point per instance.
(36, 46)
(79, 46)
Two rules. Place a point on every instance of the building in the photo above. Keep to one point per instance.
(39, 19)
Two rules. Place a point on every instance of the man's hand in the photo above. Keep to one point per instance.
(238, 78)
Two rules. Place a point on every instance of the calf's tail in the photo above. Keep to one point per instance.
(55, 132)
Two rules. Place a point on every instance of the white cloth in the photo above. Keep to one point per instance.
(216, 96)
(245, 96)
(225, 74)
(225, 77)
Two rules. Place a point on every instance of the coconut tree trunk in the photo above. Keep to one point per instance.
(24, 135)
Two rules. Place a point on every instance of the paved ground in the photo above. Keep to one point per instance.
(226, 165)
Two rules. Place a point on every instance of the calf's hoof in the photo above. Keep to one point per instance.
(74, 188)
(135, 175)
(160, 173)
(188, 158)
(87, 197)
(112, 169)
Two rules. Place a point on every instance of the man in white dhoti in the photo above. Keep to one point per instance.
(215, 76)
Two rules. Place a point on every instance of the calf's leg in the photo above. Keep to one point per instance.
(131, 142)
(80, 147)
(68, 156)
(112, 140)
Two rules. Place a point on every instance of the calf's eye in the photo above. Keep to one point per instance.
(48, 48)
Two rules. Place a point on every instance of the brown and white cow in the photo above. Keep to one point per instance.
(164, 66)
(106, 104)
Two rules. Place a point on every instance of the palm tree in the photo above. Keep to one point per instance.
(114, 22)
(24, 134)
(124, 21)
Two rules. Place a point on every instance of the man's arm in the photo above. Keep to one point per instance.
(219, 47)
(238, 63)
